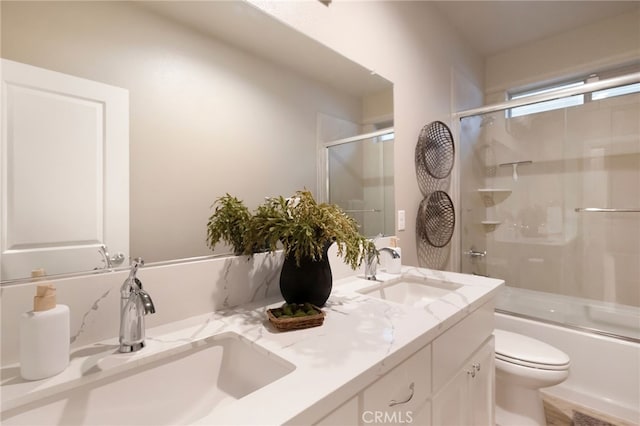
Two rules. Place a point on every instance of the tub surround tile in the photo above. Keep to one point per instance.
(361, 339)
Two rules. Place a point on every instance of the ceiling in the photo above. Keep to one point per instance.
(493, 26)
(488, 26)
(244, 26)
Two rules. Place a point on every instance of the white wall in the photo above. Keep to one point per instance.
(377, 108)
(589, 48)
(410, 44)
(205, 118)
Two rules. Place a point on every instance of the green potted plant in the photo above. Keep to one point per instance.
(305, 230)
(229, 222)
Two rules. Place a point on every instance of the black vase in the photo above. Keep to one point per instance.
(310, 282)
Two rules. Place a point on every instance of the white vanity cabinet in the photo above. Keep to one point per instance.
(482, 386)
(464, 373)
(469, 397)
(448, 382)
(347, 414)
(401, 395)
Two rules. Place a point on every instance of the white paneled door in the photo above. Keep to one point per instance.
(65, 171)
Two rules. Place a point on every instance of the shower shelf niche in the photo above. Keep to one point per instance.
(490, 225)
(493, 196)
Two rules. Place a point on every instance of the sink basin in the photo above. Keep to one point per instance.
(177, 389)
(410, 290)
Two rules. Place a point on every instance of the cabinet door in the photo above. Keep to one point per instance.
(451, 404)
(482, 386)
(468, 399)
(452, 349)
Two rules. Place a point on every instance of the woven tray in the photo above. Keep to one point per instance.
(296, 323)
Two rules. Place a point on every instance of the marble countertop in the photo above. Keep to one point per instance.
(362, 338)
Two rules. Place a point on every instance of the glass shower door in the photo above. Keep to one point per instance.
(360, 181)
(550, 202)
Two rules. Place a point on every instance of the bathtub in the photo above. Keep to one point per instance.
(605, 318)
(605, 371)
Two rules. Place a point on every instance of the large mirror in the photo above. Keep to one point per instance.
(221, 99)
(360, 179)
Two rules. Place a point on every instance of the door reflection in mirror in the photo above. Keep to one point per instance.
(360, 179)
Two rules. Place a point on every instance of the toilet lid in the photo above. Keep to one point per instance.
(526, 351)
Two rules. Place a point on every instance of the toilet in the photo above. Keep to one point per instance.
(523, 366)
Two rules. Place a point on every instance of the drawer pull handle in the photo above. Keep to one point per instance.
(394, 402)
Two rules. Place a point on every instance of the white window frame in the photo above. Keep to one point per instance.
(568, 101)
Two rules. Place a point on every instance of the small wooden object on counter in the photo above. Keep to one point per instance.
(296, 323)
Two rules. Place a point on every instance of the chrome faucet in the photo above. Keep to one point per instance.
(108, 260)
(135, 303)
(371, 262)
(370, 265)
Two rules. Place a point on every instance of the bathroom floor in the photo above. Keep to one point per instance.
(560, 412)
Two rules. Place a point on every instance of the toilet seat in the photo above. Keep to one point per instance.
(528, 352)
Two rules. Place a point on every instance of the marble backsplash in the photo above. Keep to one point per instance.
(179, 291)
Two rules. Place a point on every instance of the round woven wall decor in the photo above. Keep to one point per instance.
(435, 150)
(428, 184)
(436, 219)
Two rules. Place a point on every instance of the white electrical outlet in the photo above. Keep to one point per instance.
(401, 224)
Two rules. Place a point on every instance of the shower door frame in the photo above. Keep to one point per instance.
(561, 93)
(457, 248)
(323, 158)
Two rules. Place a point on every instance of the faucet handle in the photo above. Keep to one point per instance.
(108, 260)
(136, 263)
(102, 250)
(132, 281)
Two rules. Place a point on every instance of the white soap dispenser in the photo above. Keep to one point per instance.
(44, 334)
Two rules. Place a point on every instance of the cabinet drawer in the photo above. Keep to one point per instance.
(455, 345)
(402, 394)
(346, 414)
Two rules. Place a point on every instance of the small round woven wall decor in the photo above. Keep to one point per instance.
(436, 219)
(435, 151)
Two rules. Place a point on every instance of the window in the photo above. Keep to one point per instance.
(615, 91)
(546, 105)
(567, 101)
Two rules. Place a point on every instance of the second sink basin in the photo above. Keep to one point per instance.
(411, 290)
(176, 389)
